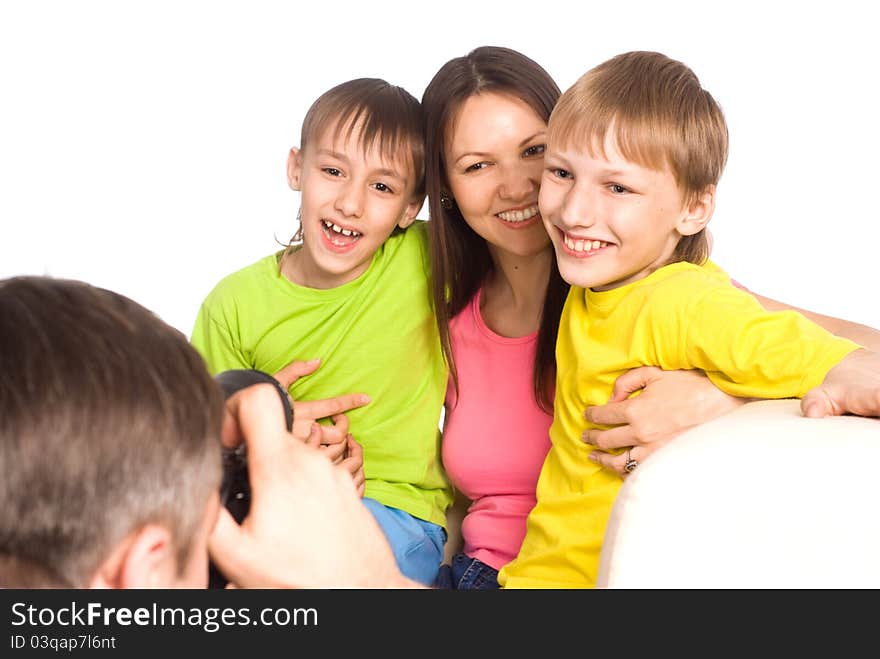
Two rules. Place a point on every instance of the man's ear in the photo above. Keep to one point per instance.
(411, 212)
(294, 169)
(697, 213)
(144, 559)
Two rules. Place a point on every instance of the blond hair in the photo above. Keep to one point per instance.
(659, 116)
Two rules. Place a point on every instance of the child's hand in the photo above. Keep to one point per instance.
(851, 387)
(354, 464)
(334, 436)
(332, 439)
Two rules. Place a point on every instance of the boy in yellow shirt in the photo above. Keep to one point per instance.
(635, 150)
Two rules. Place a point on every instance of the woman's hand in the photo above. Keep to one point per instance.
(332, 437)
(670, 403)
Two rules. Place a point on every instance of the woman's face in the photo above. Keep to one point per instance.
(494, 160)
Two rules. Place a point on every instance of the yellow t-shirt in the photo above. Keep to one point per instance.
(682, 316)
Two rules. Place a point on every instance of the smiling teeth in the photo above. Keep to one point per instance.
(519, 216)
(579, 245)
(338, 229)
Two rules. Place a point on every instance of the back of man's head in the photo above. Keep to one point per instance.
(109, 422)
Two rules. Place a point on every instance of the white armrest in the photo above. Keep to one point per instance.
(760, 498)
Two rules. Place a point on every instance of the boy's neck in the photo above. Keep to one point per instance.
(293, 268)
(634, 281)
(662, 260)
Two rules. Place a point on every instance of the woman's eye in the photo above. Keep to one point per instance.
(476, 166)
(536, 150)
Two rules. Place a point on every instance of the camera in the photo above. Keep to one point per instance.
(235, 488)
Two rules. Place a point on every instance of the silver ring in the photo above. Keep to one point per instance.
(631, 463)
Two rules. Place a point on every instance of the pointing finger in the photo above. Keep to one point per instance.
(319, 409)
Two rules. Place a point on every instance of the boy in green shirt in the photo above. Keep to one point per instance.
(354, 293)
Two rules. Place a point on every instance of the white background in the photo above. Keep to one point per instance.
(143, 144)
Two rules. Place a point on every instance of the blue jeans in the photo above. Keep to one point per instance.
(467, 573)
(417, 544)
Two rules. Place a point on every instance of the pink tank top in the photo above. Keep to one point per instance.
(496, 438)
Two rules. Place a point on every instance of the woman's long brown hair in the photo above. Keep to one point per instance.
(460, 259)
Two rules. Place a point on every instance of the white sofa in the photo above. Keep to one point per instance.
(760, 498)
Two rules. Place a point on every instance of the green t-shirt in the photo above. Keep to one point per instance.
(375, 335)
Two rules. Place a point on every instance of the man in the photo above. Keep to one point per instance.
(110, 445)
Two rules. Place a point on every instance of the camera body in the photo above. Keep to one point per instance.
(235, 488)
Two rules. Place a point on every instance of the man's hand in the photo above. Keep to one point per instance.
(307, 527)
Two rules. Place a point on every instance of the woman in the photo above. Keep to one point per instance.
(498, 297)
